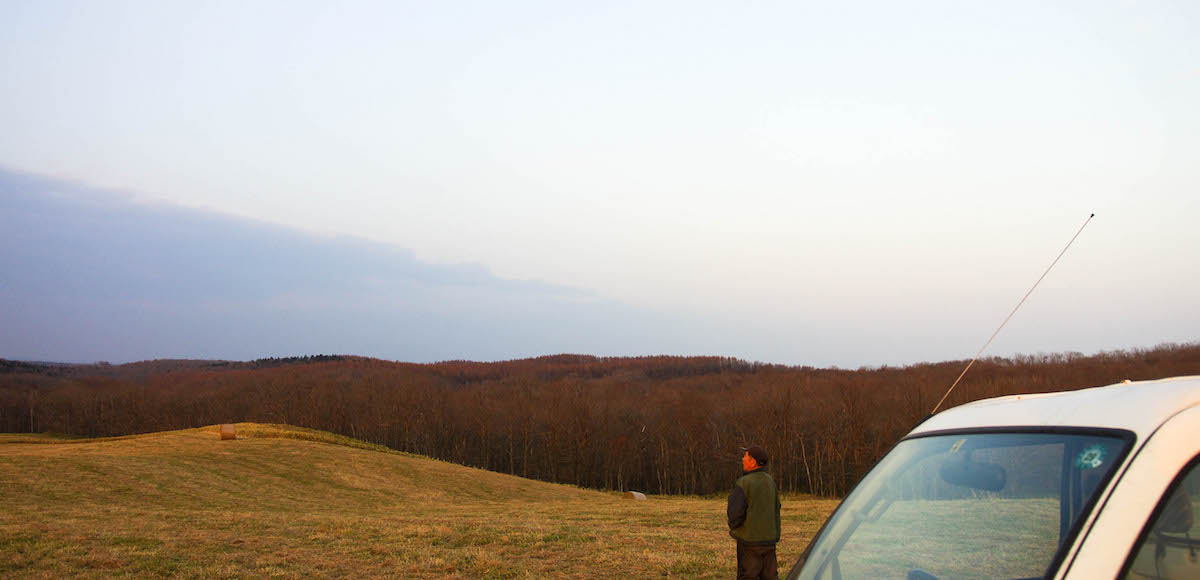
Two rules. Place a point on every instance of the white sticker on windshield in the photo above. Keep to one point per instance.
(1091, 458)
(957, 445)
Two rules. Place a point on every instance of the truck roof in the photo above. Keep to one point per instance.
(1138, 406)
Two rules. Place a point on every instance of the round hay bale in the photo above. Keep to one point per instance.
(228, 432)
(635, 495)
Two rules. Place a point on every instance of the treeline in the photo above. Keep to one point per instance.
(139, 370)
(654, 424)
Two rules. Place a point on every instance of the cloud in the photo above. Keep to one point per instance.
(94, 274)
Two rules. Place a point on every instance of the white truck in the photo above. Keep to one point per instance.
(1081, 485)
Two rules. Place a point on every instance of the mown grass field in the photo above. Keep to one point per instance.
(289, 502)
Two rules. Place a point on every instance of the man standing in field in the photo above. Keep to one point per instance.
(754, 518)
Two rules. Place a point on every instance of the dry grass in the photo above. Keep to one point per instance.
(285, 502)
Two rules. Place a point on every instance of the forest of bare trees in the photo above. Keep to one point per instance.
(654, 424)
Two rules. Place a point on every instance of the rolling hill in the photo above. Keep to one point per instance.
(282, 501)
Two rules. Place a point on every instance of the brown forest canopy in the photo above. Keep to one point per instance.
(656, 424)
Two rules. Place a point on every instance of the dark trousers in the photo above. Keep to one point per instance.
(756, 562)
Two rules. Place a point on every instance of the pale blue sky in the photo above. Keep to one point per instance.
(812, 183)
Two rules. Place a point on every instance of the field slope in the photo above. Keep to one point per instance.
(288, 502)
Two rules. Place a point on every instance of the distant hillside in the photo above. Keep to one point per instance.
(142, 369)
(659, 424)
(283, 501)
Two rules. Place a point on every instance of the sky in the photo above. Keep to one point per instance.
(849, 184)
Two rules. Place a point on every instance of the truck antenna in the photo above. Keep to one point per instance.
(1010, 315)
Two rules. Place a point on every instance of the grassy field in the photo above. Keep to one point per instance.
(287, 502)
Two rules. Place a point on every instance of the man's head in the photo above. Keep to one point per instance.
(754, 458)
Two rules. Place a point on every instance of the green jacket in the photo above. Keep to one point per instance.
(754, 509)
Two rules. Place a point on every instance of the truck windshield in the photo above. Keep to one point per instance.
(966, 505)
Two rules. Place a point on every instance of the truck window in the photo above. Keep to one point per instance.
(966, 505)
(1169, 547)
